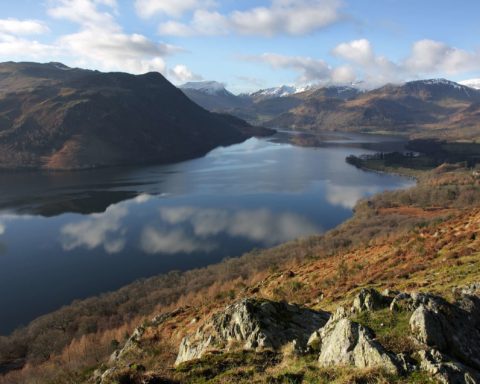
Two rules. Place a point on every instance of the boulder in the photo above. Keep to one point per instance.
(252, 324)
(426, 327)
(344, 342)
(449, 328)
(446, 370)
(370, 299)
(409, 301)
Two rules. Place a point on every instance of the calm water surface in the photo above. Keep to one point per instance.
(65, 236)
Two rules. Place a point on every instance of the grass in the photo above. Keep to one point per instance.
(391, 328)
(252, 368)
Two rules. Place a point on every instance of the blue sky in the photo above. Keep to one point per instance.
(251, 44)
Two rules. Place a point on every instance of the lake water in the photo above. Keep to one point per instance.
(65, 236)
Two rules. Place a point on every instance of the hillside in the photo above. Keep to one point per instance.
(427, 108)
(56, 117)
(420, 240)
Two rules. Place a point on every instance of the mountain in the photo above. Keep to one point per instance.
(435, 107)
(213, 96)
(282, 91)
(472, 83)
(56, 117)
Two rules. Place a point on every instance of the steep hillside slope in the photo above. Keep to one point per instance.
(56, 117)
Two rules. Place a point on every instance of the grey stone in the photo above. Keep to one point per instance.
(369, 299)
(344, 342)
(252, 324)
(446, 370)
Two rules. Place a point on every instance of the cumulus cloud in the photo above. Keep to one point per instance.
(17, 48)
(426, 58)
(101, 42)
(357, 51)
(309, 70)
(100, 230)
(293, 17)
(15, 44)
(288, 17)
(429, 56)
(174, 8)
(203, 22)
(180, 73)
(22, 27)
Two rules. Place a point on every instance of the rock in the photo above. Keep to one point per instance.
(314, 342)
(370, 299)
(252, 324)
(446, 370)
(344, 342)
(452, 329)
(470, 289)
(426, 327)
(409, 301)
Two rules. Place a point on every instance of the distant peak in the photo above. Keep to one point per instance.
(281, 91)
(439, 81)
(210, 87)
(59, 65)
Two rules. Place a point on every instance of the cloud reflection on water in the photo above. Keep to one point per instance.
(189, 229)
(347, 196)
(100, 229)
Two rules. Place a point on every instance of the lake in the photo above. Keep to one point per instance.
(65, 236)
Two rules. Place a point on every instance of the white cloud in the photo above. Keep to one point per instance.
(116, 51)
(101, 43)
(173, 8)
(357, 51)
(309, 70)
(22, 27)
(182, 74)
(17, 48)
(85, 13)
(103, 229)
(288, 17)
(203, 23)
(429, 56)
(2, 228)
(292, 17)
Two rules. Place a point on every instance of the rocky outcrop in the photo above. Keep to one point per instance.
(446, 370)
(252, 324)
(370, 299)
(344, 342)
(448, 335)
(452, 329)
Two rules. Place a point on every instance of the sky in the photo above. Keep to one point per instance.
(251, 44)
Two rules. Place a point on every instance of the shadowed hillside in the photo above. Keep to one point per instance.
(56, 117)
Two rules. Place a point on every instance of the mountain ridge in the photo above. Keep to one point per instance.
(55, 117)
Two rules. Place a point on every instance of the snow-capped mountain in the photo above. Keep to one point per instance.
(208, 87)
(282, 91)
(472, 83)
(440, 88)
(212, 96)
